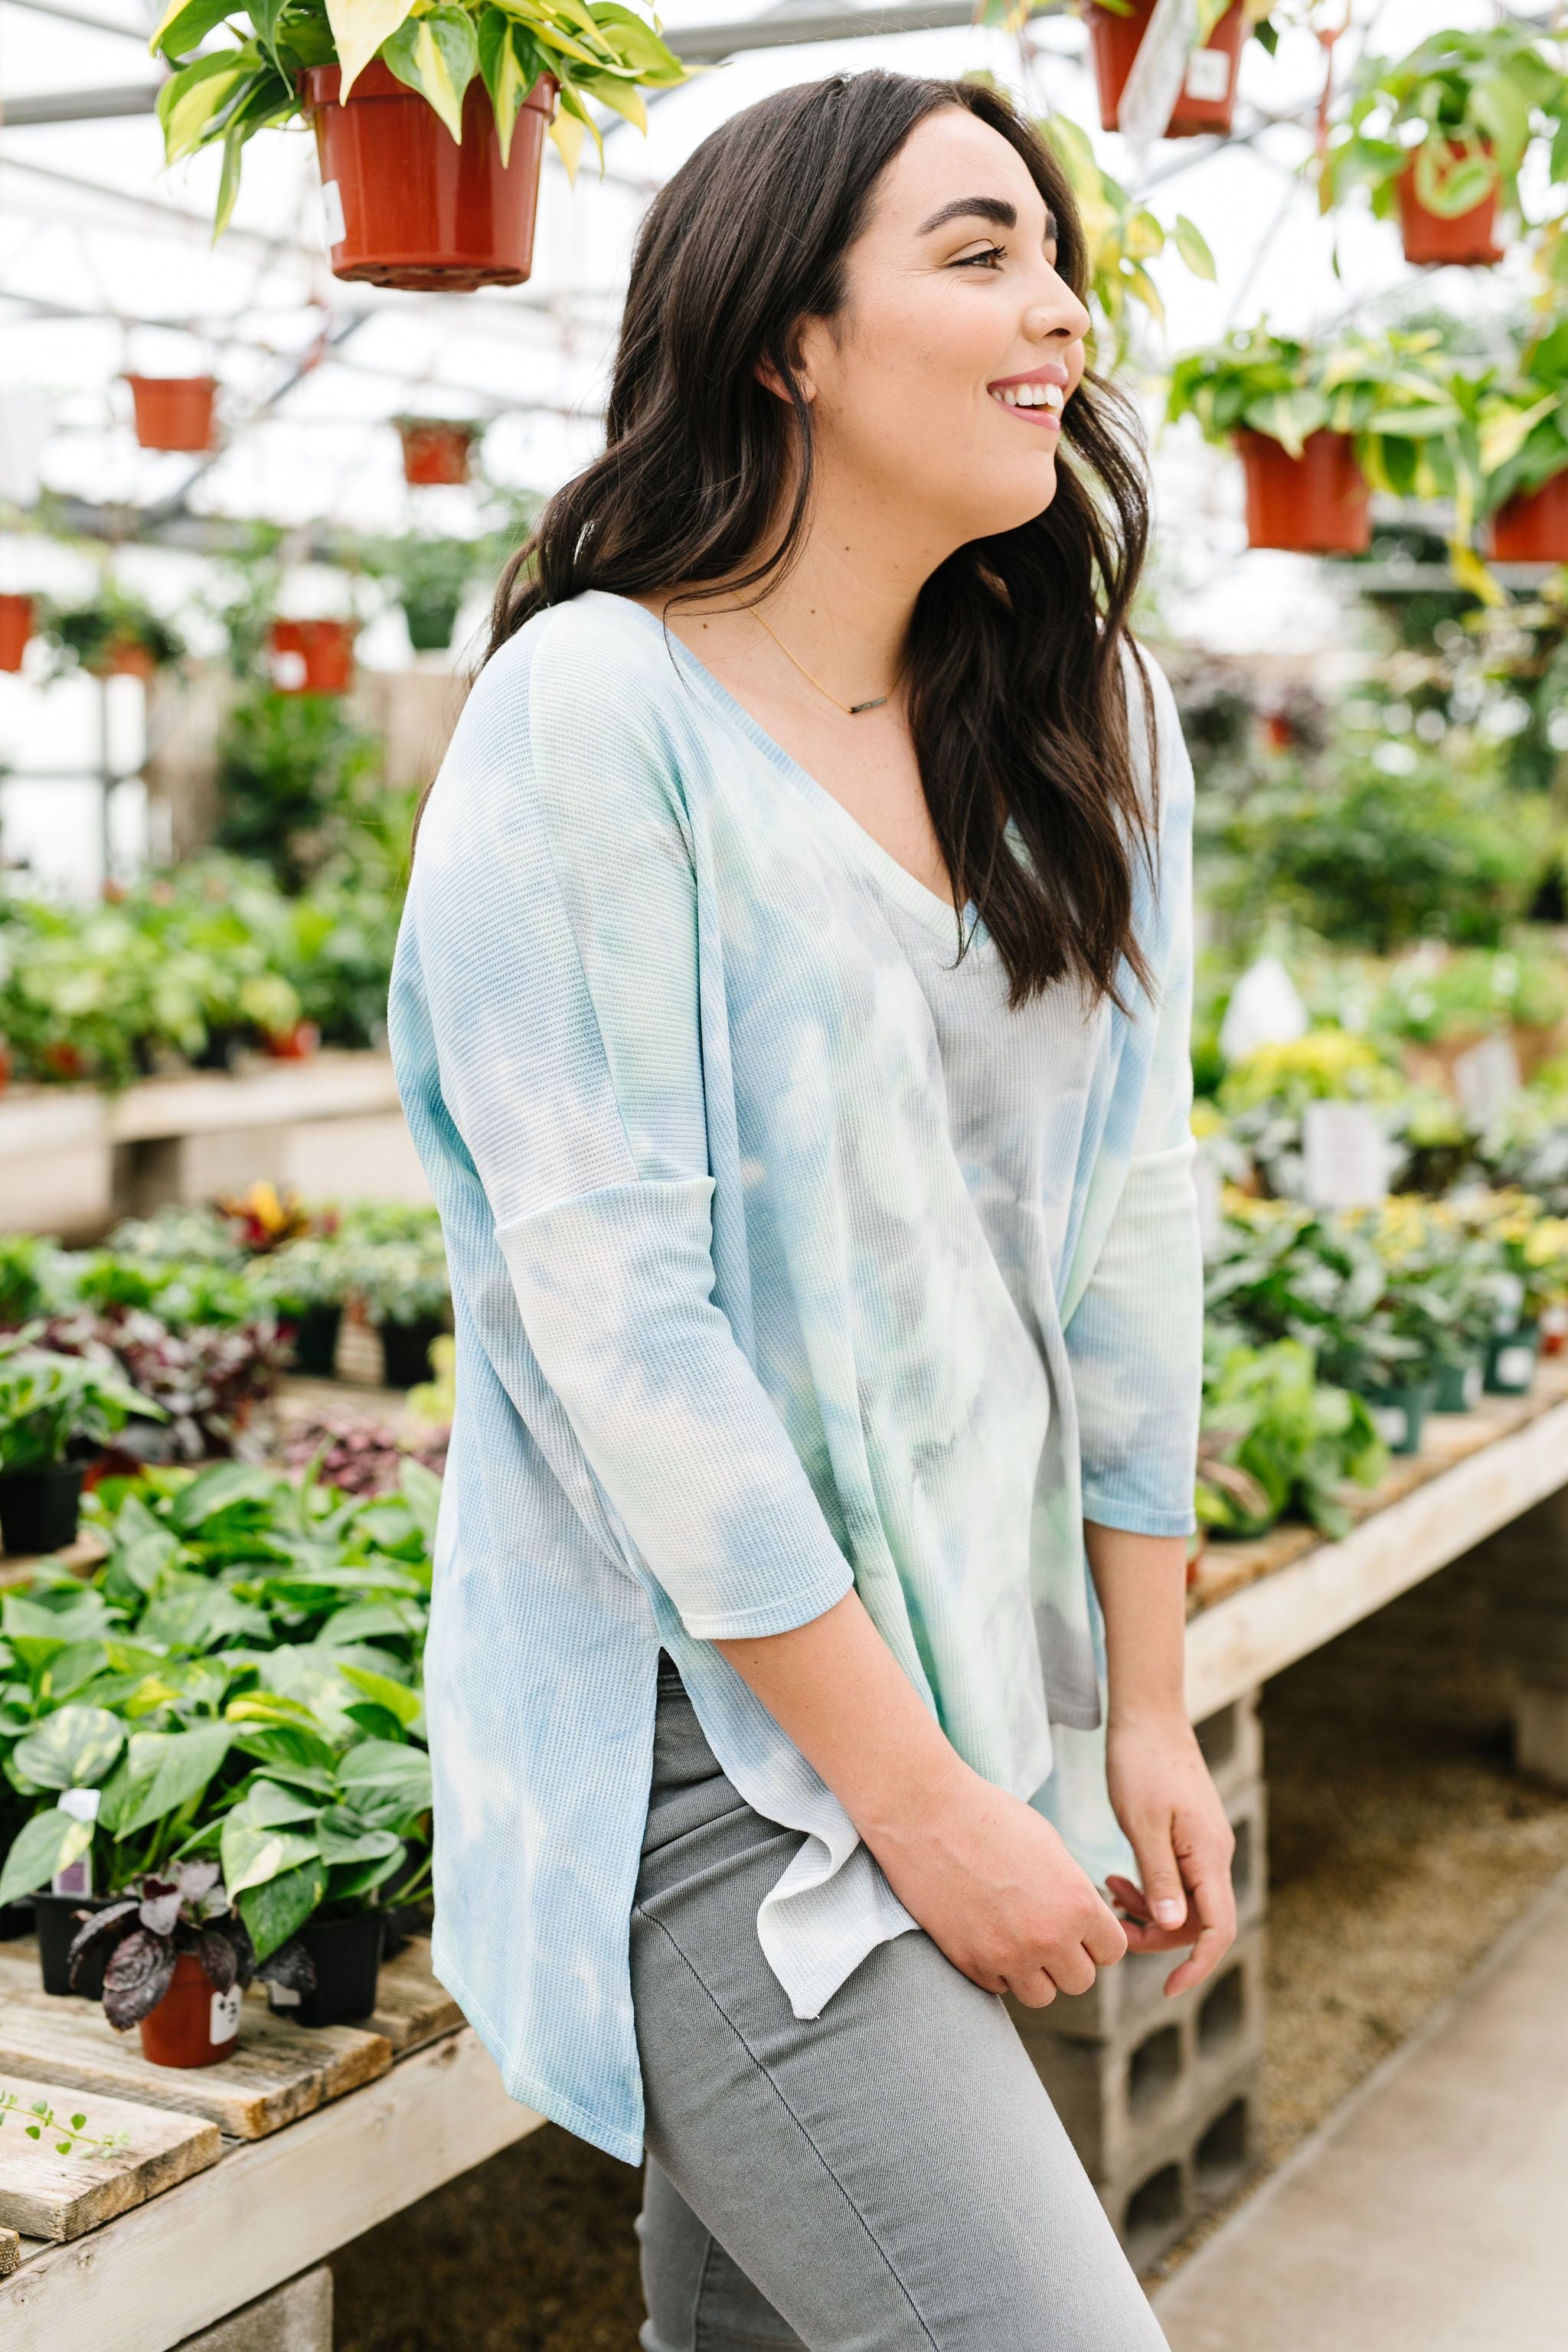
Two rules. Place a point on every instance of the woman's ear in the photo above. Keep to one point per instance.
(772, 378)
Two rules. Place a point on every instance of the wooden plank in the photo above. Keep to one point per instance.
(150, 2278)
(277, 2072)
(48, 2195)
(34, 1120)
(1269, 1623)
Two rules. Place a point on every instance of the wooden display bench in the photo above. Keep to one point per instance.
(73, 1159)
(238, 2176)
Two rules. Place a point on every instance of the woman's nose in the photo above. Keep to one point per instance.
(1058, 317)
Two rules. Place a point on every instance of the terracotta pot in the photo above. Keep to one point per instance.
(125, 657)
(194, 2024)
(1431, 240)
(1533, 528)
(1316, 504)
(405, 206)
(435, 451)
(317, 657)
(16, 628)
(296, 1045)
(1207, 97)
(174, 412)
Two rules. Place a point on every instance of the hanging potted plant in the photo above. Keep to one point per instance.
(312, 656)
(1523, 431)
(174, 412)
(1122, 237)
(16, 628)
(429, 118)
(1317, 430)
(436, 450)
(430, 578)
(55, 1412)
(1439, 138)
(115, 634)
(1205, 99)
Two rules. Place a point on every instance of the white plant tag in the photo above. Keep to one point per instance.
(282, 1996)
(1149, 97)
(1265, 1009)
(1208, 75)
(334, 226)
(1345, 1155)
(1486, 1078)
(82, 1805)
(1514, 1366)
(223, 2020)
(1392, 1423)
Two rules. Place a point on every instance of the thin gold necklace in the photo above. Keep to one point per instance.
(850, 710)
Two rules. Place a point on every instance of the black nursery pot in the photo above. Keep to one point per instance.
(38, 1509)
(347, 1954)
(56, 1925)
(406, 1351)
(316, 1341)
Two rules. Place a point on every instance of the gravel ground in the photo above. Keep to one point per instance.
(1400, 1847)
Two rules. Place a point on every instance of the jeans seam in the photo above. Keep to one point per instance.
(721, 2011)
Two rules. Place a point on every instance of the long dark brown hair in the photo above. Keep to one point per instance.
(1016, 690)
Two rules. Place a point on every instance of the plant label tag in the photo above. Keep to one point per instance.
(1486, 1076)
(282, 1997)
(1152, 89)
(335, 227)
(1514, 1367)
(223, 2020)
(1346, 1156)
(75, 1878)
(1392, 1423)
(1208, 75)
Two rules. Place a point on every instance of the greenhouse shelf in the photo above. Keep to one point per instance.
(72, 1160)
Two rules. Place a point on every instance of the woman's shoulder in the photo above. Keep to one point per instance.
(596, 645)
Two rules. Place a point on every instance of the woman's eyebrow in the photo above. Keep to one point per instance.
(995, 209)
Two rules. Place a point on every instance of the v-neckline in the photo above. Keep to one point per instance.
(937, 913)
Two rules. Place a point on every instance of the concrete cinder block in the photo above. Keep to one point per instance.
(294, 2317)
(1121, 2100)
(1201, 2158)
(1232, 1743)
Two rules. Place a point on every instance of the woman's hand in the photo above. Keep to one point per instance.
(997, 1890)
(1170, 1809)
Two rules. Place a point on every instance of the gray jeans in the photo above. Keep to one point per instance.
(890, 2176)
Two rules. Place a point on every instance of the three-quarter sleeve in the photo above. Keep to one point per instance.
(1134, 1332)
(555, 906)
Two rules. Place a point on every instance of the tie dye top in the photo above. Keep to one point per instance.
(784, 1258)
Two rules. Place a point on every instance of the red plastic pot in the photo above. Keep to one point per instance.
(1431, 240)
(1533, 528)
(125, 657)
(16, 628)
(405, 206)
(194, 2024)
(1316, 504)
(1207, 97)
(174, 412)
(317, 656)
(435, 451)
(296, 1045)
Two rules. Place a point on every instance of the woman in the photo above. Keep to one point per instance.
(791, 1011)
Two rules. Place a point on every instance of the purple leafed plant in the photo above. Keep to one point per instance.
(152, 1923)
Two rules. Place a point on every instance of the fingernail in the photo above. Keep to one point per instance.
(1169, 1914)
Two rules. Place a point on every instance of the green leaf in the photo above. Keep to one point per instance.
(1192, 246)
(508, 84)
(164, 1770)
(72, 1748)
(43, 1846)
(185, 24)
(345, 1837)
(187, 105)
(381, 1774)
(437, 54)
(253, 1853)
(396, 1696)
(273, 1911)
(220, 1488)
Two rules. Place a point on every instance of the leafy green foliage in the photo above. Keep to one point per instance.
(49, 1401)
(1295, 1440)
(1463, 106)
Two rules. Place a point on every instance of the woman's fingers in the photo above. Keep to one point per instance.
(1214, 1903)
(1164, 1895)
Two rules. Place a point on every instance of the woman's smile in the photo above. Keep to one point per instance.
(1038, 397)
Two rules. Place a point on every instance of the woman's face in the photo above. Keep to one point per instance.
(942, 382)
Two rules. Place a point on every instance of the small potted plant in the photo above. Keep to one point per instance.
(16, 628)
(1523, 426)
(396, 1272)
(179, 1957)
(1206, 99)
(437, 450)
(174, 412)
(115, 634)
(59, 1762)
(55, 1412)
(1440, 137)
(430, 578)
(429, 122)
(314, 657)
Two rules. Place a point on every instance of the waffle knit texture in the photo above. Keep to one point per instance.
(784, 1259)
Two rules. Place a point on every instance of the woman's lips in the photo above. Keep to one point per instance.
(1038, 400)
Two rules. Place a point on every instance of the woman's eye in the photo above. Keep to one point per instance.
(992, 255)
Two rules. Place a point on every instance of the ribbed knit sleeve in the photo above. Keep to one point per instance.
(1135, 1334)
(556, 903)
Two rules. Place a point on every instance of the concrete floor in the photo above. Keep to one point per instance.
(1430, 2214)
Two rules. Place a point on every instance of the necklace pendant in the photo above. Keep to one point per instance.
(856, 707)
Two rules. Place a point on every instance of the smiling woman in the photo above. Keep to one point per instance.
(791, 1011)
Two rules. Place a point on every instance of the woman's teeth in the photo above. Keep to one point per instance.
(1032, 395)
